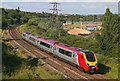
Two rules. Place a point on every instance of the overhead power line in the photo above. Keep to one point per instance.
(55, 10)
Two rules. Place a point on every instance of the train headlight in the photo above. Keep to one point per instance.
(87, 65)
(96, 64)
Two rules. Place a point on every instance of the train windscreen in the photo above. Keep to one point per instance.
(90, 56)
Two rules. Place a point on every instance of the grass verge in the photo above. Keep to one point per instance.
(108, 66)
(17, 66)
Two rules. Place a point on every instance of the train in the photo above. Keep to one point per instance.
(84, 59)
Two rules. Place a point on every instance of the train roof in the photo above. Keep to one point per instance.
(68, 47)
(37, 37)
(46, 40)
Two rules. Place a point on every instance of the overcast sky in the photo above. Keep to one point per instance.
(60, 0)
(83, 7)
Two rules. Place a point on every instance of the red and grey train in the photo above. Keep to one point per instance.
(82, 58)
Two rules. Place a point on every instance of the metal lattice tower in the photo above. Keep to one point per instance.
(55, 10)
(54, 20)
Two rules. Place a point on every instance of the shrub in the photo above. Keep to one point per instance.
(39, 62)
(60, 76)
(22, 51)
(29, 76)
(28, 57)
(33, 71)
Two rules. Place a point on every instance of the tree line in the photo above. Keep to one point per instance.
(15, 16)
(109, 40)
(83, 18)
(107, 43)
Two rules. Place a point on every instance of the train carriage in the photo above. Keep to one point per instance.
(24, 35)
(29, 37)
(45, 44)
(82, 58)
(65, 52)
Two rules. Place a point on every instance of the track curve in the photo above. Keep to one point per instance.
(68, 70)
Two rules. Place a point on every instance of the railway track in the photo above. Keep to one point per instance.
(68, 70)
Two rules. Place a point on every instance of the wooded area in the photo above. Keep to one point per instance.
(42, 25)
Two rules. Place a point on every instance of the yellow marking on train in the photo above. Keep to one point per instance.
(90, 63)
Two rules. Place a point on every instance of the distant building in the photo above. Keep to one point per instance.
(91, 28)
(67, 22)
(93, 23)
(99, 27)
(38, 11)
(76, 22)
(64, 14)
(93, 32)
(67, 29)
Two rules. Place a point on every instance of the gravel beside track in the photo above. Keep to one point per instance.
(70, 71)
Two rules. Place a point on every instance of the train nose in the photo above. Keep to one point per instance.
(92, 69)
(91, 64)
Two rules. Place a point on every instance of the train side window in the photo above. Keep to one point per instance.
(81, 57)
(61, 51)
(45, 44)
(32, 39)
(24, 35)
(69, 53)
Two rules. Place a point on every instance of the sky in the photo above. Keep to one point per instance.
(119, 7)
(83, 7)
(60, 0)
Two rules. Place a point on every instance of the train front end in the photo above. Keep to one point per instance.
(91, 64)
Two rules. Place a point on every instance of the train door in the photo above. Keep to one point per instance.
(37, 42)
(53, 48)
(75, 58)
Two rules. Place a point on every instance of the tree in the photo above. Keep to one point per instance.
(110, 34)
(18, 9)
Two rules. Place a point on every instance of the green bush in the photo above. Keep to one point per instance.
(12, 62)
(22, 51)
(33, 70)
(60, 76)
(28, 57)
(29, 75)
(39, 62)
